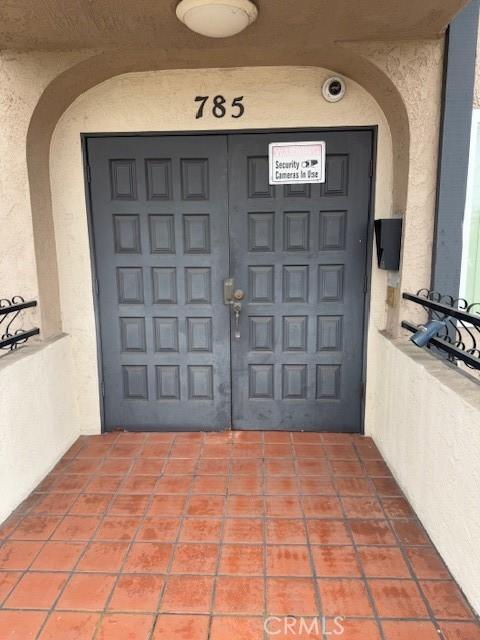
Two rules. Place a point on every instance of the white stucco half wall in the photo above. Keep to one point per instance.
(426, 423)
(38, 417)
(163, 101)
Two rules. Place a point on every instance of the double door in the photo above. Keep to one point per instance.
(223, 301)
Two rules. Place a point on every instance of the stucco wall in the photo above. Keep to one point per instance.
(426, 423)
(163, 101)
(38, 417)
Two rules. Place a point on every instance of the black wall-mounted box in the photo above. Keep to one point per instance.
(388, 232)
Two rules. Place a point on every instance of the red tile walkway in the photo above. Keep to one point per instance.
(223, 536)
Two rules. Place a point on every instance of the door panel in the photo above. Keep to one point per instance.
(159, 209)
(299, 251)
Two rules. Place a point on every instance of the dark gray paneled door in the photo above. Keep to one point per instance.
(160, 213)
(173, 216)
(299, 251)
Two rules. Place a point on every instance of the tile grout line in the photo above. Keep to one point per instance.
(357, 555)
(71, 573)
(400, 547)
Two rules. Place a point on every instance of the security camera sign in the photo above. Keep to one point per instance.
(296, 162)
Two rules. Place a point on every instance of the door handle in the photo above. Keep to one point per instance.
(237, 307)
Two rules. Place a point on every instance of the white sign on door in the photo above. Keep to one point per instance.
(294, 162)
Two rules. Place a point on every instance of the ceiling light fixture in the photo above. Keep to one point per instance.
(217, 18)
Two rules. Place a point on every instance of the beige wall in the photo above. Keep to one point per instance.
(38, 417)
(163, 101)
(426, 422)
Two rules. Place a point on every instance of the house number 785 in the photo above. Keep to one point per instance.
(218, 105)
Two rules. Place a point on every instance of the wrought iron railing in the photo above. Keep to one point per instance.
(10, 334)
(459, 338)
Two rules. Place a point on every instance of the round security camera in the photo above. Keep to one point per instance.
(333, 89)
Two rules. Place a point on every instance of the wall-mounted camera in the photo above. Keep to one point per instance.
(333, 89)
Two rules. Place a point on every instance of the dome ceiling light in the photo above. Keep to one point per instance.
(217, 18)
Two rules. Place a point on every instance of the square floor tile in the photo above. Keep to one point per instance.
(279, 467)
(239, 595)
(291, 596)
(206, 505)
(213, 467)
(242, 559)
(409, 630)
(338, 562)
(201, 530)
(410, 532)
(246, 467)
(174, 485)
(129, 505)
(18, 554)
(155, 529)
(70, 625)
(288, 560)
(117, 528)
(460, 630)
(138, 484)
(446, 600)
(244, 506)
(328, 532)
(188, 594)
(397, 508)
(36, 591)
(238, 628)
(351, 486)
(427, 563)
(180, 466)
(245, 485)
(148, 467)
(210, 484)
(397, 599)
(352, 629)
(76, 528)
(58, 556)
(23, 625)
(194, 557)
(167, 505)
(86, 592)
(104, 484)
(383, 562)
(8, 579)
(55, 503)
(103, 556)
(322, 507)
(125, 627)
(347, 468)
(276, 437)
(316, 486)
(362, 507)
(281, 485)
(148, 557)
(312, 466)
(137, 593)
(345, 597)
(181, 627)
(372, 532)
(283, 506)
(36, 527)
(285, 531)
(243, 530)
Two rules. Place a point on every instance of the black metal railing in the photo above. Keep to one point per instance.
(459, 339)
(10, 335)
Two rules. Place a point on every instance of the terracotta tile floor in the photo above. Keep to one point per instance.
(204, 536)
